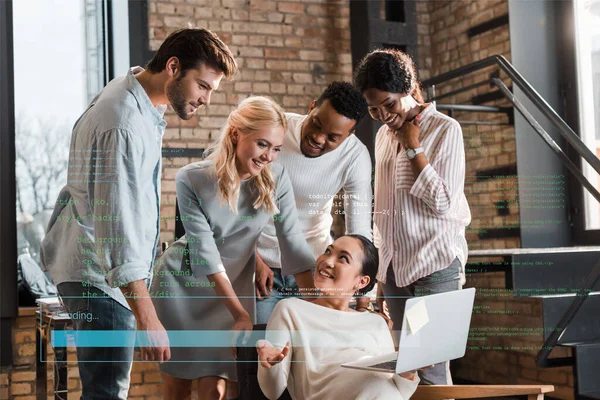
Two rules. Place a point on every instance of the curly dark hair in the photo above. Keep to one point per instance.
(370, 263)
(193, 47)
(345, 99)
(388, 70)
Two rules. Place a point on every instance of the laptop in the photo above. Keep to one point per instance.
(435, 329)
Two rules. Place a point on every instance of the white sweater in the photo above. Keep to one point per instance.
(321, 339)
(316, 181)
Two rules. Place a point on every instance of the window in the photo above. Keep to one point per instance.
(587, 48)
(59, 66)
(62, 59)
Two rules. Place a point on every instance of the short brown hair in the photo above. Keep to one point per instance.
(194, 47)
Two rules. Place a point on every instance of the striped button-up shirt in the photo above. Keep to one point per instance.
(419, 224)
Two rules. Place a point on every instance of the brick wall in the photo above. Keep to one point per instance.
(287, 50)
(18, 382)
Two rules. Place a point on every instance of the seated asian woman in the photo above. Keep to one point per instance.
(307, 341)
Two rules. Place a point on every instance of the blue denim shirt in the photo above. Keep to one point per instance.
(105, 225)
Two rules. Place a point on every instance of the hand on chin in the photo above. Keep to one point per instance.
(408, 134)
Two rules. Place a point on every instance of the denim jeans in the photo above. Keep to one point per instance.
(104, 371)
(445, 280)
(283, 287)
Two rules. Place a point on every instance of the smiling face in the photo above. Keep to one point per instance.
(190, 91)
(253, 151)
(339, 269)
(393, 109)
(324, 130)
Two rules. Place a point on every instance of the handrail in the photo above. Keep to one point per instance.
(571, 137)
(474, 108)
(499, 60)
(546, 138)
(464, 70)
(461, 89)
(542, 357)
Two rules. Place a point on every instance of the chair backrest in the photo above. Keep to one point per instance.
(247, 370)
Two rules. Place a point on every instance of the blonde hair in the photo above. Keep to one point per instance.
(251, 115)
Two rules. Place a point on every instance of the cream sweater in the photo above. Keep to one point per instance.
(316, 182)
(321, 339)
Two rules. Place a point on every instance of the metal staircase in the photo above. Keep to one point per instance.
(566, 280)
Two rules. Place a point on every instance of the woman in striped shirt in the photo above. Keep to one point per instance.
(420, 210)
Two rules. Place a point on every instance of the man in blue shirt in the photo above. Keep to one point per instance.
(103, 234)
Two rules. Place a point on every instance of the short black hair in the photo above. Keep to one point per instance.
(194, 47)
(388, 70)
(345, 100)
(370, 263)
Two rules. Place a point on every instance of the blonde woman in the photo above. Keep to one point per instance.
(205, 280)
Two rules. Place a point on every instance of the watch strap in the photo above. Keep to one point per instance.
(412, 153)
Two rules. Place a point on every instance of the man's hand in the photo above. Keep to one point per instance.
(153, 334)
(241, 326)
(264, 279)
(268, 355)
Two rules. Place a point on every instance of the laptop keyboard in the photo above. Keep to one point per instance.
(389, 365)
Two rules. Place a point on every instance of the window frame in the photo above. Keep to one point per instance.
(8, 196)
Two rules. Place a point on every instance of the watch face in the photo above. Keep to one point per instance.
(410, 153)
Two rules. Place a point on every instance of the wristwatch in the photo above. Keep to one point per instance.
(412, 153)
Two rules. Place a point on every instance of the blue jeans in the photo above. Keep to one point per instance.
(445, 280)
(283, 287)
(104, 371)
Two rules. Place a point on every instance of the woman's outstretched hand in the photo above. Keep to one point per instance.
(269, 355)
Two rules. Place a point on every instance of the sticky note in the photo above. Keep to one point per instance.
(417, 317)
